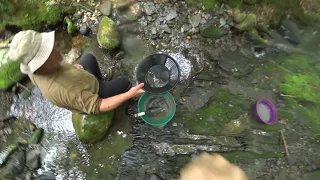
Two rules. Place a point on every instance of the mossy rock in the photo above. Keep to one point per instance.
(239, 17)
(206, 4)
(256, 38)
(247, 24)
(32, 14)
(9, 71)
(224, 114)
(212, 32)
(92, 128)
(107, 34)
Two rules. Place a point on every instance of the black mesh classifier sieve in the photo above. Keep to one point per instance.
(159, 73)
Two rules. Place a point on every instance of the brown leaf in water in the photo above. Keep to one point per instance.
(79, 41)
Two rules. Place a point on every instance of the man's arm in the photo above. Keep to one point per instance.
(113, 102)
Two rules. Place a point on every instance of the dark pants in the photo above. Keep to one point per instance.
(106, 88)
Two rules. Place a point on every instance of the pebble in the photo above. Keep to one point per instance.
(154, 36)
(174, 124)
(166, 29)
(189, 37)
(84, 29)
(149, 8)
(119, 132)
(106, 8)
(195, 20)
(78, 15)
(33, 159)
(171, 15)
(124, 135)
(185, 28)
(194, 30)
(153, 31)
(170, 24)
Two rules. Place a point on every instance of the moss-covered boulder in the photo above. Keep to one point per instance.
(239, 17)
(247, 24)
(9, 71)
(92, 128)
(212, 32)
(32, 14)
(107, 34)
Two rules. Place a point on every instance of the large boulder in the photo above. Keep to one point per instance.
(107, 34)
(9, 70)
(92, 128)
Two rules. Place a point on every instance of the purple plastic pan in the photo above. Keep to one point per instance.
(269, 109)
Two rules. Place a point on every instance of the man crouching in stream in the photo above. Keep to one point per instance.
(78, 88)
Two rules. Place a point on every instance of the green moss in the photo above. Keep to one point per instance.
(304, 87)
(249, 157)
(107, 34)
(32, 14)
(9, 71)
(298, 63)
(247, 24)
(70, 26)
(223, 115)
(239, 17)
(207, 4)
(233, 3)
(212, 32)
(92, 128)
(257, 39)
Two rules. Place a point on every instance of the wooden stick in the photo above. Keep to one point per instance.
(285, 145)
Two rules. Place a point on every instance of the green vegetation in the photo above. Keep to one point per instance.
(304, 87)
(31, 14)
(92, 128)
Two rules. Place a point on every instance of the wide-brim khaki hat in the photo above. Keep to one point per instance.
(32, 49)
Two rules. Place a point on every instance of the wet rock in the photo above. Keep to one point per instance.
(167, 40)
(291, 31)
(166, 29)
(155, 177)
(247, 24)
(185, 28)
(195, 20)
(239, 17)
(149, 8)
(84, 29)
(194, 31)
(107, 34)
(48, 175)
(123, 4)
(26, 93)
(223, 22)
(92, 128)
(120, 55)
(171, 24)
(78, 15)
(28, 175)
(171, 15)
(106, 8)
(15, 164)
(33, 159)
(212, 32)
(9, 70)
(73, 55)
(153, 30)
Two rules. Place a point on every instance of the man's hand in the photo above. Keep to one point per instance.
(79, 66)
(137, 90)
(211, 167)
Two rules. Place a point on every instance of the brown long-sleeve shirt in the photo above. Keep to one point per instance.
(71, 88)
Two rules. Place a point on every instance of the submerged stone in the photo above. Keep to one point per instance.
(247, 24)
(107, 34)
(212, 32)
(15, 165)
(9, 71)
(92, 128)
(33, 159)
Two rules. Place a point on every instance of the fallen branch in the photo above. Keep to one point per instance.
(285, 95)
(285, 147)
